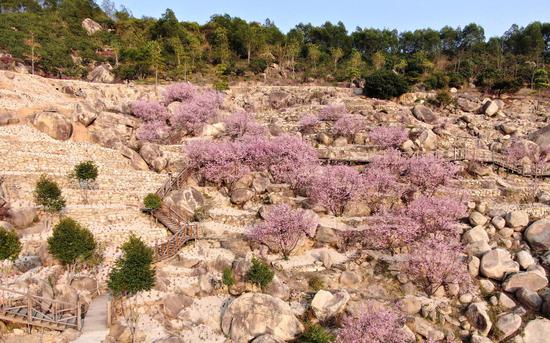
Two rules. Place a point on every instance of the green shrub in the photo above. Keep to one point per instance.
(260, 273)
(85, 171)
(315, 333)
(385, 84)
(258, 66)
(455, 80)
(540, 79)
(443, 98)
(506, 85)
(221, 84)
(10, 246)
(152, 202)
(437, 80)
(70, 242)
(227, 278)
(48, 195)
(316, 283)
(133, 272)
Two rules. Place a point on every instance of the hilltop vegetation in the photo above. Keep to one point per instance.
(229, 47)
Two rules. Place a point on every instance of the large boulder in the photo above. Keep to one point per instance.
(174, 303)
(326, 305)
(241, 195)
(53, 124)
(532, 280)
(185, 201)
(101, 74)
(497, 263)
(22, 217)
(479, 318)
(507, 325)
(424, 114)
(154, 157)
(135, 159)
(541, 137)
(517, 219)
(537, 331)
(91, 26)
(490, 108)
(538, 235)
(253, 314)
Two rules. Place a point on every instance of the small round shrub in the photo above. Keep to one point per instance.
(455, 80)
(86, 171)
(258, 66)
(315, 333)
(443, 98)
(152, 201)
(48, 195)
(71, 242)
(10, 246)
(385, 84)
(437, 80)
(260, 273)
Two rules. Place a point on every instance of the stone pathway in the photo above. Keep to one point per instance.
(95, 323)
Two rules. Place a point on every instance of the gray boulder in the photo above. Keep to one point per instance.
(253, 314)
(185, 201)
(22, 217)
(497, 263)
(538, 235)
(54, 125)
(507, 325)
(326, 305)
(532, 280)
(537, 331)
(424, 114)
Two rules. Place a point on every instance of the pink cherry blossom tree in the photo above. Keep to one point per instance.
(334, 187)
(283, 228)
(373, 324)
(388, 136)
(437, 261)
(308, 123)
(241, 123)
(197, 111)
(332, 112)
(390, 230)
(149, 110)
(436, 215)
(380, 188)
(182, 91)
(348, 125)
(427, 172)
(290, 156)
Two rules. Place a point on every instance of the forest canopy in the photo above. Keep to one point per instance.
(226, 46)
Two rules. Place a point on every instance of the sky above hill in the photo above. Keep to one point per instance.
(496, 16)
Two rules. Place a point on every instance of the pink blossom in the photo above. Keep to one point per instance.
(283, 228)
(436, 214)
(179, 92)
(153, 131)
(308, 124)
(216, 162)
(242, 123)
(437, 261)
(334, 187)
(391, 161)
(373, 324)
(388, 136)
(427, 172)
(198, 110)
(291, 155)
(332, 112)
(149, 110)
(390, 230)
(380, 187)
(348, 125)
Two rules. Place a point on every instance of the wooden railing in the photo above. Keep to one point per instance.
(182, 230)
(24, 308)
(171, 247)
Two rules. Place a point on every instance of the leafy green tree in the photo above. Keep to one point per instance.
(152, 201)
(85, 171)
(71, 243)
(155, 59)
(260, 273)
(133, 272)
(313, 54)
(336, 54)
(48, 195)
(10, 246)
(385, 84)
(540, 79)
(354, 65)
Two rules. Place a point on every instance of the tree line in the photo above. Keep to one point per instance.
(226, 47)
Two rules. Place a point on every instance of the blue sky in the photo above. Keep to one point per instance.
(495, 16)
